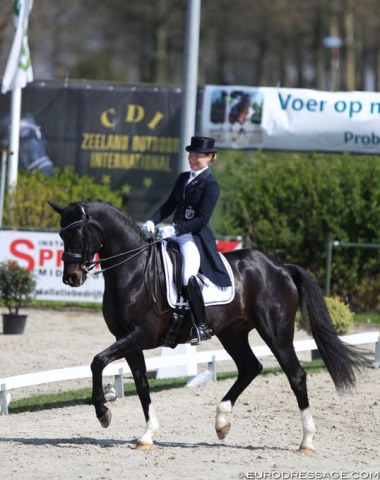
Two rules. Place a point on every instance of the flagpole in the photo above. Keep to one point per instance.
(18, 72)
(190, 80)
(2, 184)
(14, 140)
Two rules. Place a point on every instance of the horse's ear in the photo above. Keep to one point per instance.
(56, 207)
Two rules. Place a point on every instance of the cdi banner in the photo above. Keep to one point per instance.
(125, 136)
(291, 119)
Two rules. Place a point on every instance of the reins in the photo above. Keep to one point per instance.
(152, 259)
(91, 265)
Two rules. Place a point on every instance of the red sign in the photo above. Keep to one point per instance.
(228, 245)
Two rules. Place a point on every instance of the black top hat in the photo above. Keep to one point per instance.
(201, 145)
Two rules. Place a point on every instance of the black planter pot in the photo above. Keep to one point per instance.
(13, 324)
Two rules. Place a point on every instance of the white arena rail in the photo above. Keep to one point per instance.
(190, 359)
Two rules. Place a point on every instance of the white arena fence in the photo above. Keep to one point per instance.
(168, 362)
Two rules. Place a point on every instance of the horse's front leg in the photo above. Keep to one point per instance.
(137, 365)
(131, 343)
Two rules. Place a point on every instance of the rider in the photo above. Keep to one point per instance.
(193, 200)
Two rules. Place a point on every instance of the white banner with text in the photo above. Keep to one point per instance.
(41, 253)
(291, 119)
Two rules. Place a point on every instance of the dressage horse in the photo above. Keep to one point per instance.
(135, 308)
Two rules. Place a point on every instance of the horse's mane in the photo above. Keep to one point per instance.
(122, 216)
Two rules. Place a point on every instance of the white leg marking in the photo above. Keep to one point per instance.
(152, 426)
(222, 420)
(308, 427)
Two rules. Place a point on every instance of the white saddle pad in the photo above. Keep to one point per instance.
(212, 294)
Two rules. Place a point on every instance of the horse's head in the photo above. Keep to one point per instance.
(240, 111)
(79, 240)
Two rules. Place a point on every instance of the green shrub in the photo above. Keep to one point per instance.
(341, 316)
(27, 206)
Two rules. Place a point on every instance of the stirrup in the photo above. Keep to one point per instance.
(198, 334)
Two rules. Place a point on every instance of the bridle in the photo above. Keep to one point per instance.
(88, 264)
(86, 258)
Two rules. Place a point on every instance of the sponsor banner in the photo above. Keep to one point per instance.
(291, 119)
(41, 252)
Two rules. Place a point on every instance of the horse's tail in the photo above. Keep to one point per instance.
(341, 360)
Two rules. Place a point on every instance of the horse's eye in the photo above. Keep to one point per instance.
(77, 234)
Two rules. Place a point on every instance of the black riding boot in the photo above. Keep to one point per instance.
(200, 331)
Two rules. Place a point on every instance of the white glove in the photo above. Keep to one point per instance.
(148, 227)
(166, 232)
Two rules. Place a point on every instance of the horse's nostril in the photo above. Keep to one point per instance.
(71, 279)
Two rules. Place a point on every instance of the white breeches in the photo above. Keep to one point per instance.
(191, 260)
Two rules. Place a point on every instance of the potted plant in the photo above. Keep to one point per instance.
(17, 289)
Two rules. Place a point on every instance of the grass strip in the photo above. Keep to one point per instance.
(82, 396)
(367, 318)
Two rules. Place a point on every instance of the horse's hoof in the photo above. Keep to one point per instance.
(105, 420)
(307, 450)
(223, 432)
(145, 447)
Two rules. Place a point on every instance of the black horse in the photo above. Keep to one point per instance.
(135, 308)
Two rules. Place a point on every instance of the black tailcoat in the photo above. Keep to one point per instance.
(192, 206)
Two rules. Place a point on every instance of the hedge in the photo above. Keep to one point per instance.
(27, 207)
(290, 204)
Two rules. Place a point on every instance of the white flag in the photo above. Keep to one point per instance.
(18, 71)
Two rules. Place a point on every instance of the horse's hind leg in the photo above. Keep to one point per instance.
(248, 368)
(297, 379)
(296, 375)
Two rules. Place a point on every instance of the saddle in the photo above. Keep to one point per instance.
(212, 294)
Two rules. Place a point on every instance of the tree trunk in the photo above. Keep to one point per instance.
(349, 42)
(161, 56)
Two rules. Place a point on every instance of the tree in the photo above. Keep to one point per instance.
(256, 43)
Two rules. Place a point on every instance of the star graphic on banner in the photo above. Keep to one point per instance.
(126, 188)
(147, 182)
(106, 180)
